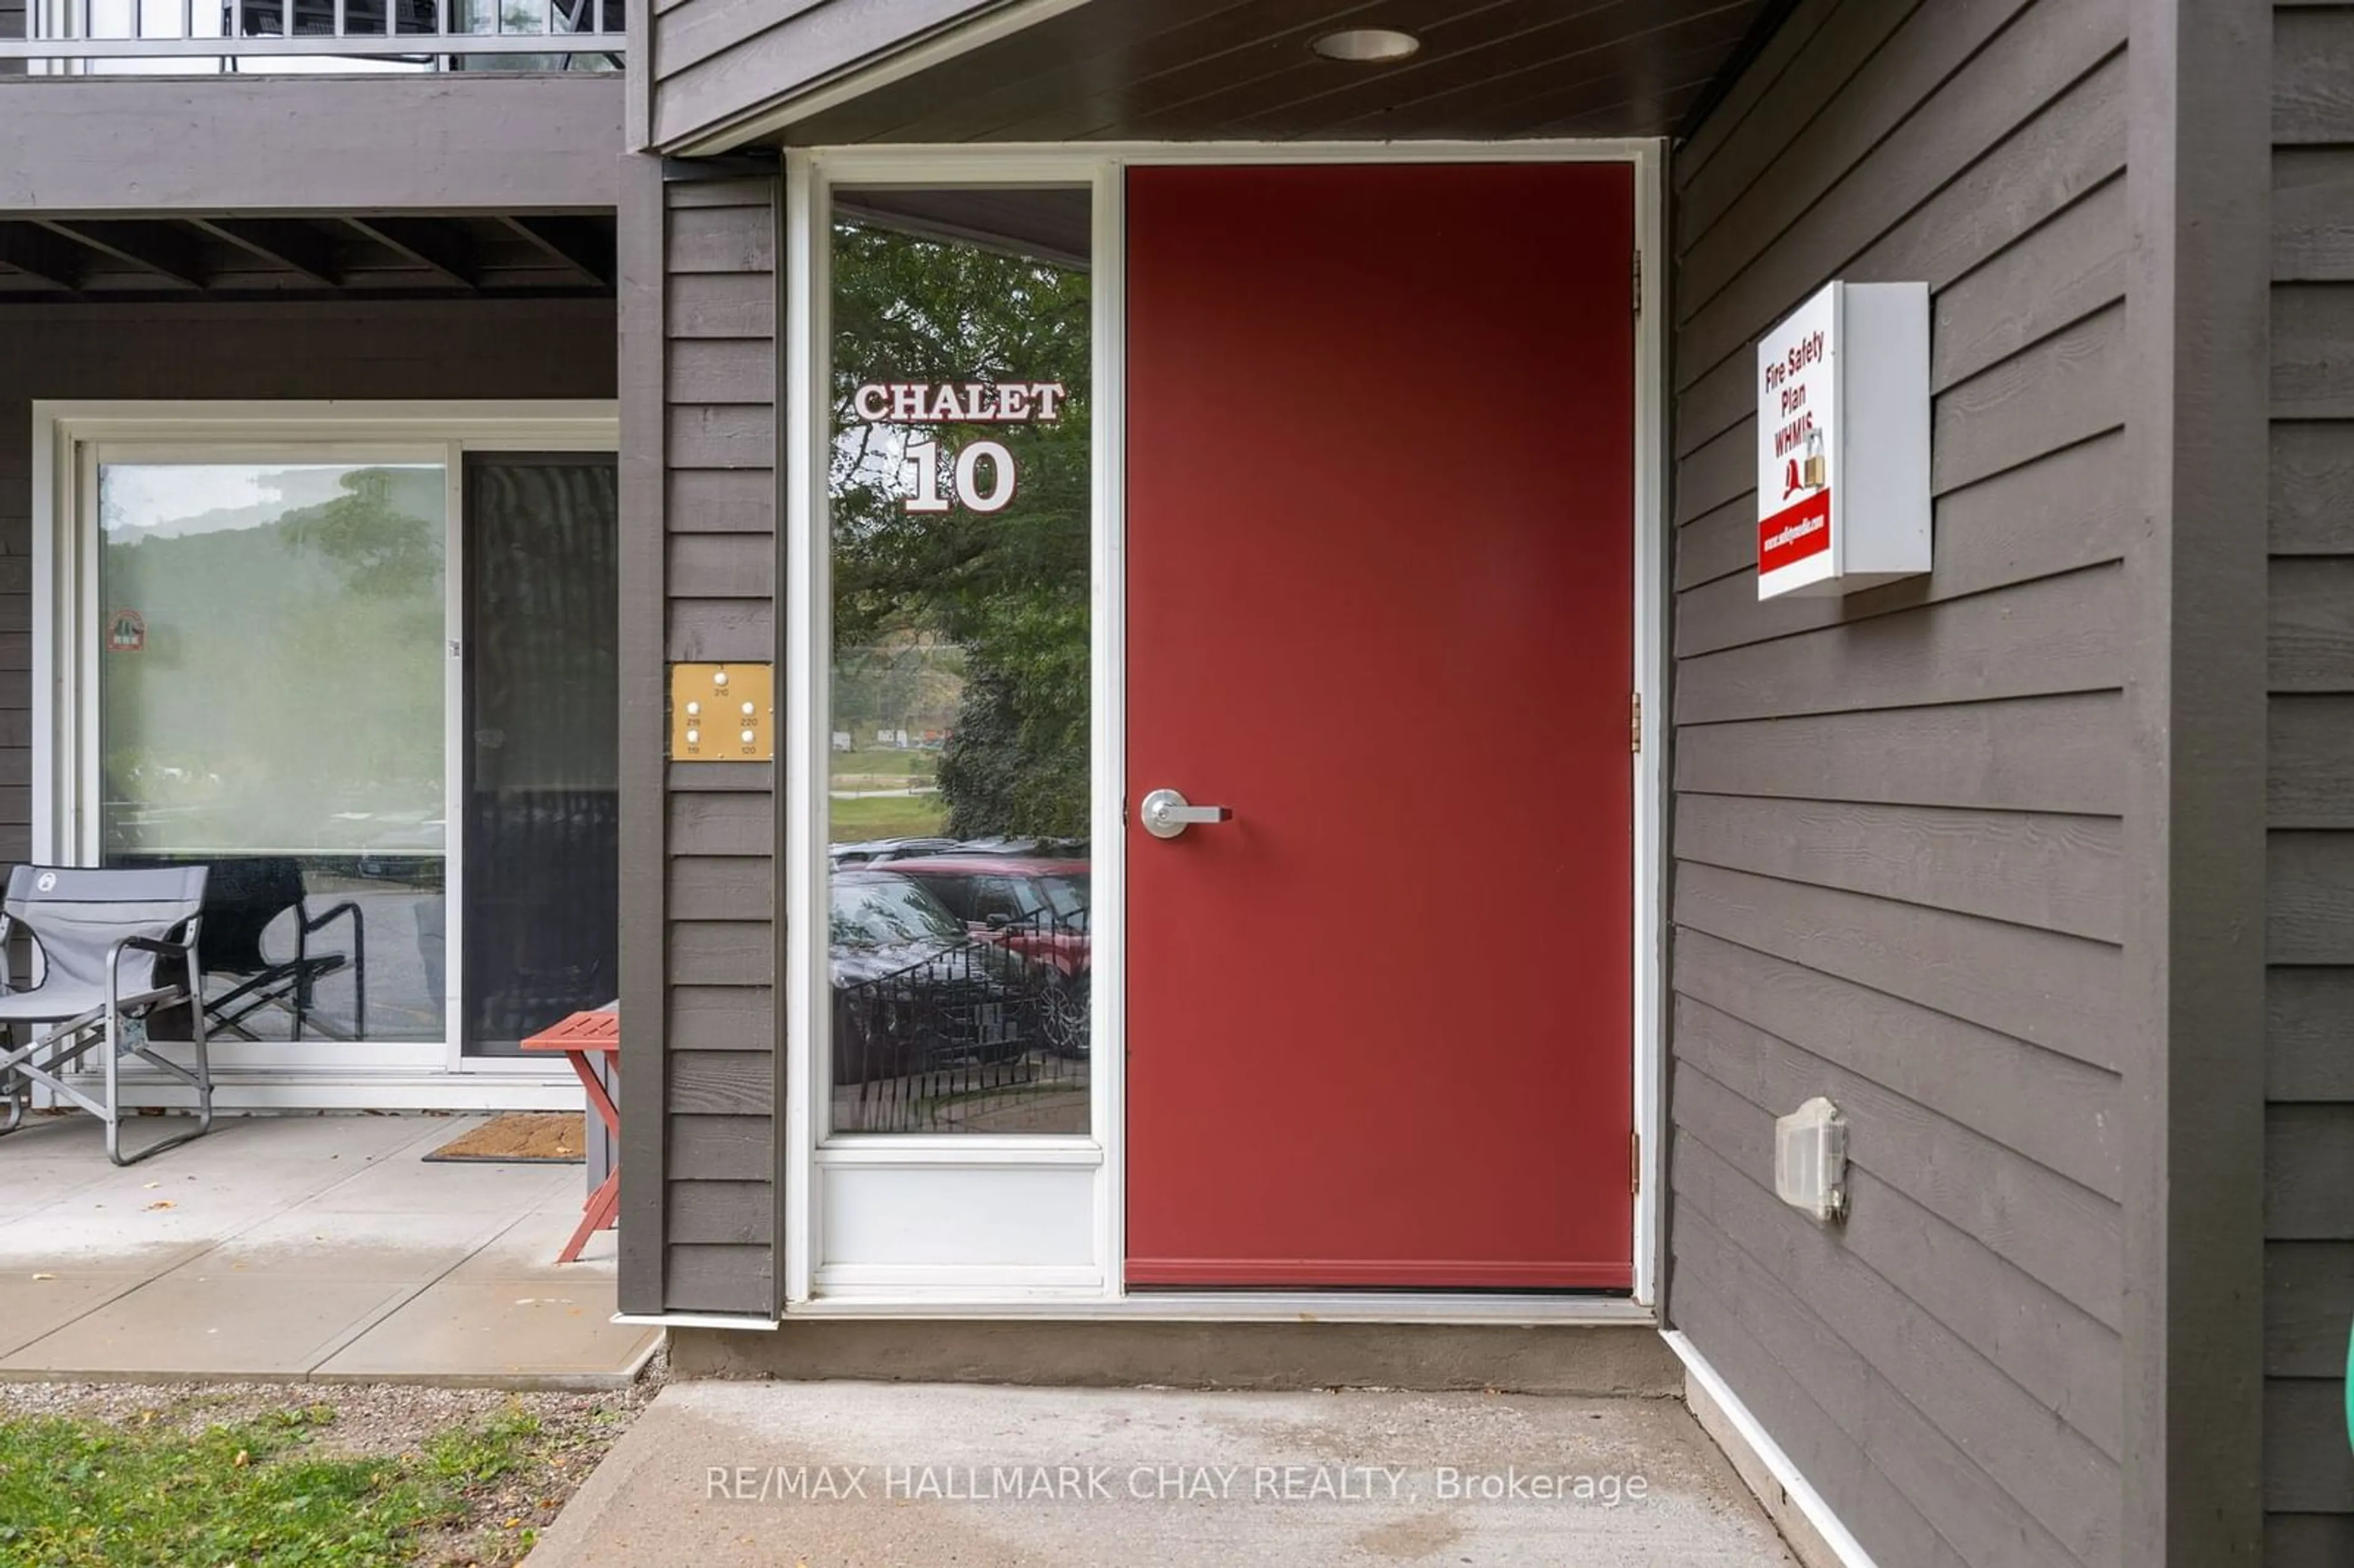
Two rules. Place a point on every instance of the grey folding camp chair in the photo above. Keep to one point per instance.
(103, 937)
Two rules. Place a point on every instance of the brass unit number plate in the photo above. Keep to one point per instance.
(723, 713)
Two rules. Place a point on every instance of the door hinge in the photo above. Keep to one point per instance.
(1634, 725)
(1638, 282)
(1634, 1165)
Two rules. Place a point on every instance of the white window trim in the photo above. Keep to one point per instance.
(803, 611)
(268, 1074)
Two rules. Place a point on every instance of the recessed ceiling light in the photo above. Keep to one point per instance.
(1366, 45)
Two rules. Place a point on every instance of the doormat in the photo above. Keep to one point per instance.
(520, 1137)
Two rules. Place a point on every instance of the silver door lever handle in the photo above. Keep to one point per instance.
(1167, 813)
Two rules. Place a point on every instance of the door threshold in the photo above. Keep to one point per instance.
(1254, 1306)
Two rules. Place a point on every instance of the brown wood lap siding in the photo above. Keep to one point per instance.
(1899, 874)
(2309, 1024)
(700, 423)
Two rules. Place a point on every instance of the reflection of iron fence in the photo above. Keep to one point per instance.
(964, 1041)
(1053, 947)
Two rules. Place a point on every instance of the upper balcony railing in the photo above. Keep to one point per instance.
(183, 37)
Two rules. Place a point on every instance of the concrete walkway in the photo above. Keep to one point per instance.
(844, 1475)
(298, 1247)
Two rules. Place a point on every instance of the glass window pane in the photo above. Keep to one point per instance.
(543, 875)
(271, 662)
(961, 541)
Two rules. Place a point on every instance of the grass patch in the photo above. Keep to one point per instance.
(886, 817)
(261, 1492)
(911, 766)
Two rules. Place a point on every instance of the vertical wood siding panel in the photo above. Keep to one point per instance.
(1795, 1405)
(730, 1280)
(644, 929)
(2054, 515)
(2063, 1478)
(2309, 1074)
(2061, 1115)
(2308, 1540)
(1856, 903)
(720, 483)
(2310, 795)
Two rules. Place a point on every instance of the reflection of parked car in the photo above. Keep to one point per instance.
(1037, 907)
(1032, 849)
(872, 852)
(881, 852)
(912, 988)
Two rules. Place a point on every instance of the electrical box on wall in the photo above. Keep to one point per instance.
(1811, 1161)
(1844, 441)
(722, 713)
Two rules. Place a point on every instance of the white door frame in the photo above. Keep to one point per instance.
(805, 650)
(270, 1075)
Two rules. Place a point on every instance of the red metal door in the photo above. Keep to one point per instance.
(1380, 586)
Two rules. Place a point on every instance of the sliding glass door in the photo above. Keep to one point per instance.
(271, 702)
(374, 689)
(543, 819)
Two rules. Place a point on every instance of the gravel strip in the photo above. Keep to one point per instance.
(370, 1419)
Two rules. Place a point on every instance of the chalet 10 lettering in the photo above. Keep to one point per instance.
(945, 481)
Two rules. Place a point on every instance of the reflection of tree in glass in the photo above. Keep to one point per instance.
(1010, 588)
(372, 645)
(289, 692)
(910, 680)
(387, 550)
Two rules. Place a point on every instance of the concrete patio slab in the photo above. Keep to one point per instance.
(555, 1332)
(415, 1187)
(37, 1183)
(31, 1306)
(718, 1474)
(526, 1249)
(294, 1248)
(396, 1247)
(343, 1140)
(213, 1327)
(75, 1238)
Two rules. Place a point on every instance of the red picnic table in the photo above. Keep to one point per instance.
(579, 1037)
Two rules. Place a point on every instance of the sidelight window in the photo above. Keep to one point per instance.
(959, 785)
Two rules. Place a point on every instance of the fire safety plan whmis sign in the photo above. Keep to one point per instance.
(1844, 441)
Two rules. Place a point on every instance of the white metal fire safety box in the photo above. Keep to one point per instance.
(1844, 441)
